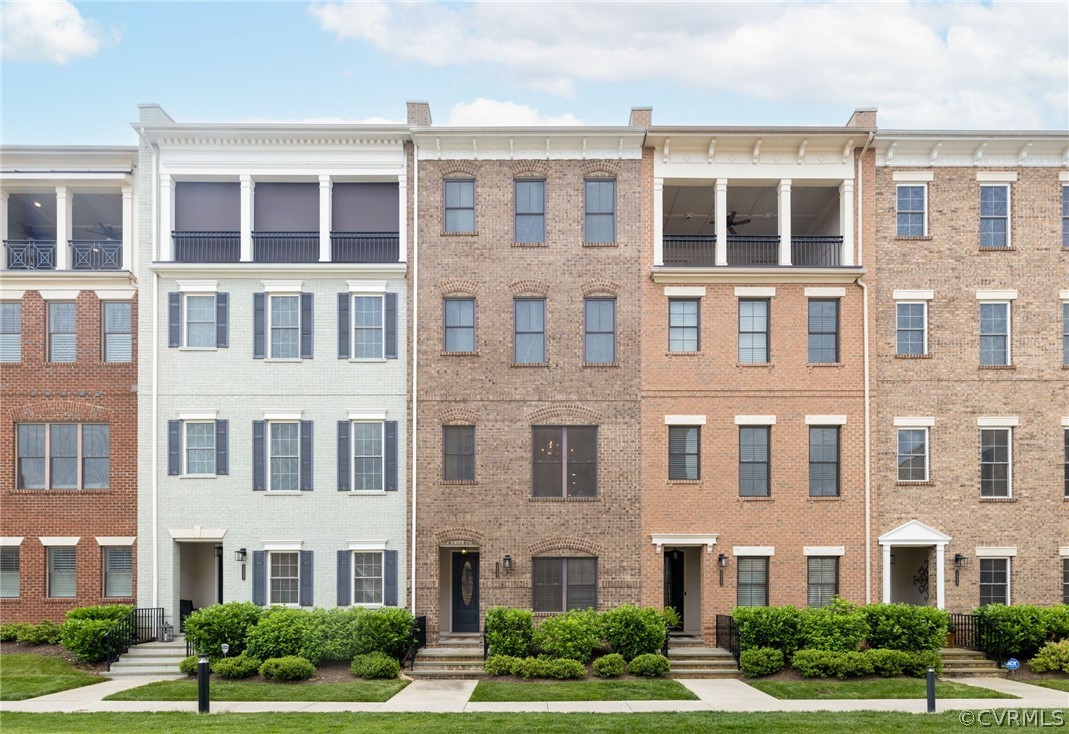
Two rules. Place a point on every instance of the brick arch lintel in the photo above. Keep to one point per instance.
(457, 536)
(564, 543)
(529, 168)
(564, 414)
(527, 286)
(459, 168)
(600, 168)
(594, 287)
(457, 416)
(459, 286)
(59, 411)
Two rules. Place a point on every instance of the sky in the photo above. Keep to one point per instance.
(73, 73)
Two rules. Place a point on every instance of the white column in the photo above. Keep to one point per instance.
(64, 227)
(3, 228)
(846, 221)
(658, 222)
(326, 201)
(940, 583)
(128, 228)
(886, 576)
(721, 221)
(785, 222)
(166, 217)
(402, 217)
(247, 189)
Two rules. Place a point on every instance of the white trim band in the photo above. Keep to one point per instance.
(753, 550)
(110, 540)
(1064, 551)
(825, 420)
(996, 295)
(51, 294)
(366, 286)
(10, 540)
(985, 551)
(283, 545)
(283, 415)
(824, 550)
(913, 422)
(748, 291)
(755, 420)
(117, 294)
(199, 415)
(282, 286)
(684, 420)
(825, 292)
(996, 176)
(684, 291)
(998, 422)
(377, 416)
(912, 295)
(70, 540)
(198, 286)
(912, 176)
(368, 545)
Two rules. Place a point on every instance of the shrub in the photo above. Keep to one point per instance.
(562, 669)
(1018, 631)
(906, 627)
(208, 628)
(389, 630)
(888, 662)
(632, 631)
(919, 662)
(573, 635)
(286, 632)
(113, 612)
(758, 661)
(1052, 657)
(671, 618)
(85, 638)
(45, 633)
(1058, 622)
(827, 663)
(527, 668)
(840, 626)
(189, 665)
(775, 627)
(10, 632)
(374, 666)
(339, 627)
(499, 665)
(239, 666)
(509, 631)
(649, 665)
(286, 668)
(609, 666)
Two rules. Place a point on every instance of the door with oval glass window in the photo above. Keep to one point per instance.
(465, 592)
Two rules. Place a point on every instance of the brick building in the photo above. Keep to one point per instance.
(68, 381)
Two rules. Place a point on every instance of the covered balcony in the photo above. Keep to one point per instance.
(64, 230)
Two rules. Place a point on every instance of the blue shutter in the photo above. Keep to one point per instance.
(306, 456)
(345, 597)
(389, 578)
(390, 459)
(174, 448)
(222, 448)
(258, 327)
(259, 578)
(343, 456)
(259, 479)
(305, 593)
(222, 320)
(174, 319)
(343, 326)
(306, 326)
(390, 317)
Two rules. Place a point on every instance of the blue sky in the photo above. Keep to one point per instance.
(73, 73)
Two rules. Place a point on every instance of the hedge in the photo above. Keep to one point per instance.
(509, 631)
(287, 668)
(906, 627)
(83, 632)
(1052, 657)
(609, 666)
(828, 663)
(284, 632)
(840, 627)
(632, 631)
(239, 666)
(758, 661)
(775, 627)
(531, 667)
(375, 666)
(208, 628)
(389, 630)
(1017, 631)
(649, 665)
(573, 635)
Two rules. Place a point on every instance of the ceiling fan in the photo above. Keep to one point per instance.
(107, 231)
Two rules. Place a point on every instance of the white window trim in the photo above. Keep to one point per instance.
(366, 287)
(1007, 294)
(352, 576)
(923, 302)
(202, 420)
(268, 348)
(1009, 456)
(1064, 551)
(268, 421)
(353, 295)
(267, 581)
(685, 291)
(996, 177)
(104, 571)
(998, 422)
(367, 417)
(282, 287)
(48, 541)
(914, 177)
(201, 287)
(11, 540)
(1009, 567)
(754, 292)
(368, 545)
(912, 295)
(184, 342)
(381, 422)
(283, 415)
(927, 452)
(116, 540)
(825, 420)
(118, 294)
(913, 182)
(283, 545)
(753, 550)
(1003, 179)
(684, 420)
(53, 294)
(824, 550)
(913, 422)
(985, 551)
(825, 292)
(755, 420)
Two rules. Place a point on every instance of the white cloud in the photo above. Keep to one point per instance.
(488, 112)
(956, 65)
(52, 31)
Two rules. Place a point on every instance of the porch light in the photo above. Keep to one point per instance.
(506, 562)
(463, 551)
(960, 561)
(240, 555)
(722, 560)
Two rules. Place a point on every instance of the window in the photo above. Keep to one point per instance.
(200, 321)
(565, 461)
(63, 456)
(367, 456)
(284, 457)
(530, 211)
(823, 331)
(460, 205)
(118, 572)
(911, 211)
(1065, 333)
(460, 325)
(1065, 581)
(683, 325)
(284, 578)
(823, 581)
(753, 461)
(11, 331)
(600, 216)
(1065, 216)
(200, 447)
(530, 324)
(62, 576)
(458, 462)
(600, 342)
(118, 338)
(913, 454)
(368, 327)
(284, 325)
(994, 334)
(995, 458)
(61, 339)
(563, 584)
(994, 216)
(684, 452)
(753, 331)
(367, 577)
(994, 581)
(9, 571)
(753, 582)
(912, 329)
(823, 461)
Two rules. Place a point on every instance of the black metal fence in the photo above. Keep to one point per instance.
(973, 632)
(96, 255)
(364, 247)
(419, 640)
(689, 250)
(727, 634)
(809, 251)
(285, 247)
(207, 247)
(140, 625)
(31, 254)
(753, 251)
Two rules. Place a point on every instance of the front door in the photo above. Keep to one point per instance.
(465, 592)
(673, 582)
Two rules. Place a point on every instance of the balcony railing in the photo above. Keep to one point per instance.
(689, 250)
(207, 247)
(96, 255)
(30, 254)
(364, 247)
(822, 251)
(285, 247)
(753, 251)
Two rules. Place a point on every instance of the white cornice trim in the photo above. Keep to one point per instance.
(57, 540)
(80, 280)
(109, 540)
(684, 420)
(283, 545)
(825, 420)
(755, 292)
(994, 551)
(824, 550)
(684, 540)
(825, 292)
(368, 545)
(998, 421)
(913, 422)
(259, 270)
(914, 295)
(753, 550)
(996, 295)
(755, 420)
(10, 540)
(684, 291)
(197, 286)
(662, 274)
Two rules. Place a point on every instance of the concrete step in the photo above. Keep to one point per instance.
(959, 652)
(703, 664)
(143, 661)
(131, 671)
(447, 665)
(176, 647)
(446, 674)
(450, 653)
(705, 673)
(974, 672)
(698, 652)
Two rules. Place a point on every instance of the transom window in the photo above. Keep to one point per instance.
(823, 580)
(284, 577)
(910, 211)
(912, 336)
(460, 325)
(200, 321)
(63, 456)
(118, 572)
(994, 581)
(530, 325)
(563, 584)
(9, 571)
(753, 331)
(913, 454)
(367, 577)
(684, 452)
(994, 334)
(565, 461)
(994, 216)
(995, 462)
(752, 581)
(285, 327)
(823, 331)
(368, 326)
(284, 455)
(61, 332)
(683, 321)
(62, 572)
(600, 322)
(530, 211)
(753, 461)
(11, 331)
(458, 447)
(367, 456)
(200, 447)
(460, 205)
(824, 461)
(600, 218)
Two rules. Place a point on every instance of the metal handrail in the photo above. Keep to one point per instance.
(727, 634)
(139, 625)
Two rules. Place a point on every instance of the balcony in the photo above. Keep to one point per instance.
(207, 247)
(96, 255)
(30, 254)
(66, 231)
(285, 247)
(365, 247)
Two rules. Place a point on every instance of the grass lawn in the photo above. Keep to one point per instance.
(25, 676)
(870, 722)
(582, 690)
(240, 690)
(831, 688)
(1058, 684)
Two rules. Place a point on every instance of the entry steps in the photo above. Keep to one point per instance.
(457, 655)
(151, 658)
(695, 660)
(961, 663)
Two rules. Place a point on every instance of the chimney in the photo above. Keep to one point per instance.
(863, 117)
(152, 112)
(419, 114)
(641, 117)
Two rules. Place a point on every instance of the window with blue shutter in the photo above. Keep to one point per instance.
(306, 325)
(343, 326)
(389, 578)
(259, 341)
(222, 448)
(306, 580)
(344, 582)
(174, 448)
(259, 578)
(306, 456)
(259, 479)
(174, 319)
(222, 320)
(390, 458)
(344, 482)
(390, 319)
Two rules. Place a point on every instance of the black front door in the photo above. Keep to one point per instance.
(465, 592)
(673, 582)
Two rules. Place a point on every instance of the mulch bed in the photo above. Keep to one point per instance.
(57, 651)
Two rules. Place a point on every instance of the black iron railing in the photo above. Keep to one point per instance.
(973, 632)
(96, 255)
(285, 247)
(822, 251)
(753, 251)
(31, 254)
(419, 640)
(206, 247)
(364, 247)
(486, 644)
(689, 250)
(727, 634)
(140, 625)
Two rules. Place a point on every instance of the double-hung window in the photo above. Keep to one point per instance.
(284, 319)
(911, 210)
(913, 454)
(62, 572)
(995, 216)
(565, 461)
(284, 455)
(367, 577)
(823, 331)
(754, 461)
(683, 323)
(1065, 441)
(996, 462)
(367, 324)
(530, 325)
(200, 447)
(824, 461)
(459, 325)
(368, 327)
(118, 334)
(752, 584)
(459, 205)
(1065, 333)
(200, 321)
(1065, 217)
(61, 332)
(684, 452)
(118, 572)
(63, 456)
(564, 584)
(458, 453)
(994, 581)
(753, 331)
(1065, 581)
(282, 322)
(10, 331)
(530, 210)
(599, 345)
(9, 571)
(600, 211)
(823, 580)
(912, 329)
(368, 456)
(284, 577)
(994, 334)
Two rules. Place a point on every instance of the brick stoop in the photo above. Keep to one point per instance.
(151, 658)
(961, 663)
(693, 661)
(464, 662)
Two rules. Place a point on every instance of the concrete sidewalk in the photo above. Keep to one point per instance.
(451, 696)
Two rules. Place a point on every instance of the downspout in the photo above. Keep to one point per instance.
(415, 358)
(155, 377)
(865, 359)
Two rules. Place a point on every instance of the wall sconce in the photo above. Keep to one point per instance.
(892, 559)
(218, 551)
(240, 555)
(722, 562)
(463, 551)
(506, 562)
(960, 562)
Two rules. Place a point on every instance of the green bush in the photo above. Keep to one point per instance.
(189, 665)
(286, 632)
(375, 666)
(906, 627)
(389, 630)
(775, 627)
(1018, 631)
(287, 668)
(573, 635)
(45, 633)
(113, 612)
(527, 667)
(563, 669)
(671, 618)
(840, 626)
(888, 662)
(10, 632)
(208, 628)
(632, 631)
(609, 666)
(828, 663)
(1052, 657)
(509, 631)
(499, 665)
(531, 667)
(649, 665)
(1058, 622)
(239, 666)
(919, 662)
(339, 627)
(85, 638)
(758, 661)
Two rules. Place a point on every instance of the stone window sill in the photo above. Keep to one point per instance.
(60, 600)
(459, 482)
(458, 354)
(116, 600)
(825, 364)
(915, 238)
(928, 483)
(683, 481)
(756, 499)
(67, 492)
(766, 365)
(998, 500)
(998, 367)
(829, 498)
(600, 365)
(459, 234)
(564, 499)
(529, 364)
(996, 249)
(684, 354)
(913, 356)
(600, 244)
(530, 244)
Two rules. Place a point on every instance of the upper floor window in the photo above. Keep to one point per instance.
(118, 572)
(824, 461)
(197, 447)
(994, 334)
(1065, 440)
(600, 212)
(684, 452)
(753, 331)
(460, 325)
(911, 211)
(563, 584)
(284, 318)
(460, 205)
(823, 580)
(1065, 581)
(913, 454)
(1065, 333)
(458, 453)
(282, 325)
(994, 581)
(912, 325)
(530, 211)
(753, 461)
(118, 334)
(282, 455)
(367, 326)
(995, 216)
(823, 331)
(1065, 216)
(995, 462)
(198, 321)
(62, 572)
(600, 324)
(10, 331)
(752, 588)
(9, 571)
(683, 325)
(565, 461)
(61, 332)
(530, 336)
(63, 456)
(368, 456)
